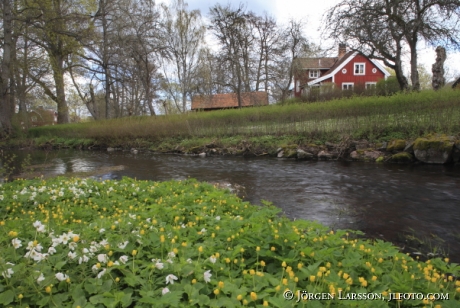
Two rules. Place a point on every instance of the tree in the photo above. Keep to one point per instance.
(58, 27)
(232, 30)
(368, 26)
(185, 35)
(6, 104)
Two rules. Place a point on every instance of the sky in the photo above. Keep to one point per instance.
(312, 12)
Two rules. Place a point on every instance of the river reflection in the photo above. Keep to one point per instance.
(383, 200)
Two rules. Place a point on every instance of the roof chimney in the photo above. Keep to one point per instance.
(342, 50)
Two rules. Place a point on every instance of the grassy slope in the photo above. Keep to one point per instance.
(374, 118)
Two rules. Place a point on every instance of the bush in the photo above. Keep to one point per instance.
(128, 243)
(387, 87)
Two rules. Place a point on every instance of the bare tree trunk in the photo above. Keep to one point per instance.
(6, 112)
(57, 63)
(414, 64)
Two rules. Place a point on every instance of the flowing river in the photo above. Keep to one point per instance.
(414, 206)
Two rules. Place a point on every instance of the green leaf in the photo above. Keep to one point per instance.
(6, 297)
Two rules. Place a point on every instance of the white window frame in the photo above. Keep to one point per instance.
(313, 73)
(346, 85)
(371, 85)
(358, 64)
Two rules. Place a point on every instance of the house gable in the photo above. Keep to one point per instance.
(344, 70)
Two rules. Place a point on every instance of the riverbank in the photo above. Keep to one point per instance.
(432, 148)
(181, 242)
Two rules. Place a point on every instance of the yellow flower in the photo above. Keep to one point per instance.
(76, 238)
(262, 263)
(285, 281)
(193, 281)
(257, 248)
(221, 284)
(312, 278)
(273, 248)
(253, 296)
(200, 249)
(216, 291)
(48, 289)
(134, 252)
(349, 281)
(345, 276)
(20, 296)
(117, 279)
(239, 297)
(283, 264)
(265, 304)
(374, 278)
(184, 244)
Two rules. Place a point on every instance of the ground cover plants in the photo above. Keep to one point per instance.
(410, 115)
(84, 243)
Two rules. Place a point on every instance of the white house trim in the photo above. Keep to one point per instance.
(331, 75)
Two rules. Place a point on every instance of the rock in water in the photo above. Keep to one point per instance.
(434, 150)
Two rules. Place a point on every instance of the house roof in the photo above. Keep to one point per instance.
(229, 100)
(316, 63)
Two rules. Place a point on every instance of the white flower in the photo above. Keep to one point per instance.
(189, 261)
(164, 291)
(170, 279)
(85, 250)
(40, 278)
(171, 254)
(41, 229)
(123, 259)
(101, 273)
(183, 226)
(123, 245)
(203, 230)
(72, 245)
(64, 238)
(37, 224)
(103, 242)
(16, 243)
(102, 230)
(61, 276)
(207, 276)
(132, 216)
(170, 261)
(159, 265)
(95, 269)
(85, 259)
(51, 250)
(8, 273)
(1, 197)
(93, 249)
(217, 217)
(212, 259)
(72, 255)
(102, 258)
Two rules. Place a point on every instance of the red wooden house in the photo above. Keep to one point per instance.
(346, 71)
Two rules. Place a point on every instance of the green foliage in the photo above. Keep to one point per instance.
(73, 242)
(388, 86)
